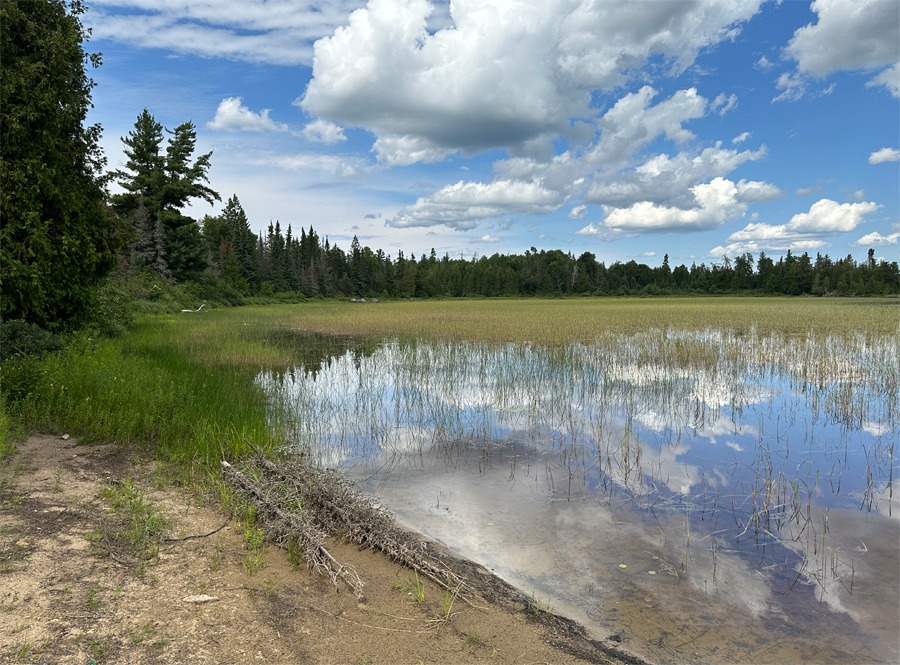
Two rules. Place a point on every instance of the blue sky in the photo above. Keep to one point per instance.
(628, 129)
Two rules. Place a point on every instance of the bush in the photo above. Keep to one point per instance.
(20, 338)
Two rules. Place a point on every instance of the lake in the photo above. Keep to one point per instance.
(711, 496)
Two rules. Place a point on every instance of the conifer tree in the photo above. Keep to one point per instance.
(57, 243)
(166, 183)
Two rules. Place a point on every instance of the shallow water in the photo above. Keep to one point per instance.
(712, 498)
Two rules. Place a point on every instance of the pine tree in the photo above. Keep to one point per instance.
(142, 250)
(160, 265)
(143, 179)
(166, 183)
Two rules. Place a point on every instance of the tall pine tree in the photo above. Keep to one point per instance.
(166, 183)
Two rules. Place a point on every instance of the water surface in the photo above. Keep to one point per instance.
(711, 497)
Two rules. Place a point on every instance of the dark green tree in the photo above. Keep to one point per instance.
(166, 183)
(57, 243)
(143, 178)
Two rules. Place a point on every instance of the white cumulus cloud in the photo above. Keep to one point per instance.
(740, 138)
(723, 104)
(462, 205)
(547, 184)
(669, 180)
(884, 155)
(715, 203)
(827, 216)
(848, 35)
(755, 191)
(578, 212)
(804, 232)
(322, 131)
(889, 78)
(266, 31)
(875, 239)
(505, 74)
(793, 85)
(232, 114)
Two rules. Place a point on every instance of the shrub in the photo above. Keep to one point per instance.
(20, 338)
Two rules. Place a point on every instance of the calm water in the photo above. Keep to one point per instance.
(711, 498)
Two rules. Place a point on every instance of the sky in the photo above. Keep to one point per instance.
(631, 129)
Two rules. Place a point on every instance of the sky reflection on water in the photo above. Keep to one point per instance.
(752, 476)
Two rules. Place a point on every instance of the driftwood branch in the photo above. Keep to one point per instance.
(282, 525)
(297, 500)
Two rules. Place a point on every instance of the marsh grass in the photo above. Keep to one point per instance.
(185, 383)
(560, 322)
(143, 388)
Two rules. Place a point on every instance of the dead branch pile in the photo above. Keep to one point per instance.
(300, 504)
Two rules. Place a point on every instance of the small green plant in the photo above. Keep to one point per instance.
(254, 541)
(473, 639)
(447, 601)
(99, 650)
(91, 602)
(137, 524)
(254, 561)
(147, 630)
(295, 553)
(535, 606)
(24, 650)
(57, 487)
(412, 587)
(12, 603)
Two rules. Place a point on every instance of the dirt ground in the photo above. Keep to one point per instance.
(64, 600)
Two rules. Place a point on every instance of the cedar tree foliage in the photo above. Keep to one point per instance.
(57, 242)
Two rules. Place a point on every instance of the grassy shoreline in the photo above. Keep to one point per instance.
(186, 383)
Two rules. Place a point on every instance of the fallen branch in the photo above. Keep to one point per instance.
(301, 502)
(282, 526)
(351, 514)
(205, 535)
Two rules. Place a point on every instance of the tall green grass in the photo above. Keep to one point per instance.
(140, 388)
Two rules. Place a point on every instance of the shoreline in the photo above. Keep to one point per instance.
(69, 596)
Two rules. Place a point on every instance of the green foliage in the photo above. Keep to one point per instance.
(162, 185)
(57, 241)
(20, 338)
(143, 386)
(140, 524)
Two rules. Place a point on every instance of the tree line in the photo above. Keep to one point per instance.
(231, 262)
(283, 261)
